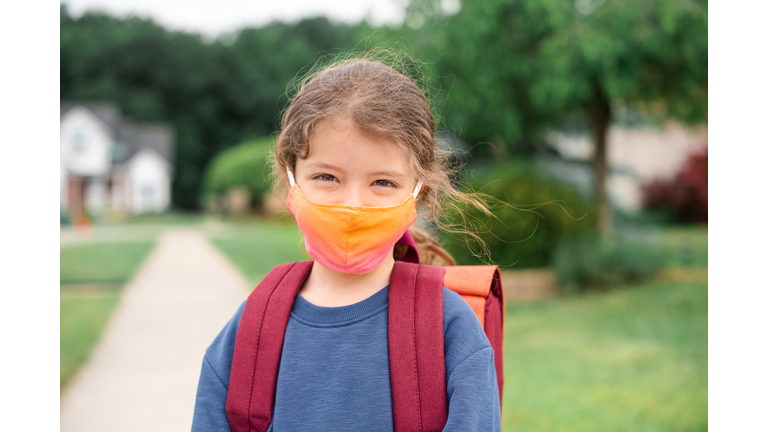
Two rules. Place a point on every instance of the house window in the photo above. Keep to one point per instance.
(78, 142)
(146, 192)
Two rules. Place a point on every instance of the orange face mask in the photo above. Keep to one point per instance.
(350, 239)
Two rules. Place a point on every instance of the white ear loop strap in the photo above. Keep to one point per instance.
(418, 188)
(293, 182)
(290, 176)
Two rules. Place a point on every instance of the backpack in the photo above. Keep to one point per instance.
(415, 338)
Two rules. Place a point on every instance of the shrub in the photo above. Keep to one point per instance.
(593, 264)
(525, 235)
(65, 219)
(244, 165)
(685, 197)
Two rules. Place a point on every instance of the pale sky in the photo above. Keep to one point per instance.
(213, 18)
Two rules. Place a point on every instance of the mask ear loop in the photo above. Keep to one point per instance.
(417, 189)
(290, 176)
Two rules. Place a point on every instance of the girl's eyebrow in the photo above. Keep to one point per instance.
(323, 165)
(394, 174)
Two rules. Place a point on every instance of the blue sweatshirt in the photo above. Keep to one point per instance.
(334, 370)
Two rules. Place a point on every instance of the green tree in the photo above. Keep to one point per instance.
(245, 165)
(524, 235)
(516, 68)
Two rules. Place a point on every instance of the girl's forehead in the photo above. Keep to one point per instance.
(342, 144)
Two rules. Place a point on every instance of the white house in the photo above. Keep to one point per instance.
(111, 163)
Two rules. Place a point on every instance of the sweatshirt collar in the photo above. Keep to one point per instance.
(311, 313)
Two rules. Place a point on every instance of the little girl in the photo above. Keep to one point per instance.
(358, 139)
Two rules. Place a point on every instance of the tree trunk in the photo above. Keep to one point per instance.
(601, 118)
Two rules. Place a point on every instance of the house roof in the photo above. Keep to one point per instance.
(107, 112)
(130, 137)
(134, 137)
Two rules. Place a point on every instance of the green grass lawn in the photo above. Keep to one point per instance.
(257, 246)
(82, 320)
(101, 262)
(689, 245)
(166, 218)
(91, 277)
(627, 360)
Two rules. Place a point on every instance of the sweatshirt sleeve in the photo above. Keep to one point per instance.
(473, 393)
(210, 404)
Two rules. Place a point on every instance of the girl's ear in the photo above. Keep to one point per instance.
(282, 168)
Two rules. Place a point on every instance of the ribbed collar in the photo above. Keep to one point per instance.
(341, 315)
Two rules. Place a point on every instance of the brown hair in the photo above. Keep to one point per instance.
(382, 103)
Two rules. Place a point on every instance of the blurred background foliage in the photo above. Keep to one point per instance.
(599, 264)
(518, 67)
(533, 213)
(245, 165)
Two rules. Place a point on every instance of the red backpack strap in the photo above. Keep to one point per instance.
(258, 346)
(416, 347)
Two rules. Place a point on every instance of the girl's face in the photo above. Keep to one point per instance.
(346, 167)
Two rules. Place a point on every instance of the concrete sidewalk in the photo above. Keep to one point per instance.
(143, 374)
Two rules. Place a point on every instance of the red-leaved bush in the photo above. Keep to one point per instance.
(685, 196)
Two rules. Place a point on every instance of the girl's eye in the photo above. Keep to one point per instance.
(385, 183)
(326, 177)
